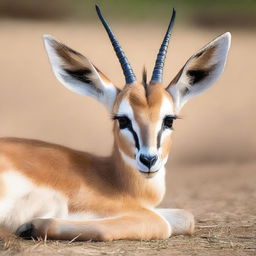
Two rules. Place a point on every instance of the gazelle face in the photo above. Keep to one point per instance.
(143, 119)
(143, 115)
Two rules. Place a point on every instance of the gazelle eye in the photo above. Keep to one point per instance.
(124, 121)
(168, 122)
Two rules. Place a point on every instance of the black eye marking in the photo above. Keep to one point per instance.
(125, 123)
(167, 124)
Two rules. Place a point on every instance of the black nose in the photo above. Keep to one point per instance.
(148, 160)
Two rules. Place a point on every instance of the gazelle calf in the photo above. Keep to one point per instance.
(50, 190)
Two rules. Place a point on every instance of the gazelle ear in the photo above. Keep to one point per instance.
(200, 71)
(78, 74)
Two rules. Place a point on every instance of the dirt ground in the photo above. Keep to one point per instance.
(212, 166)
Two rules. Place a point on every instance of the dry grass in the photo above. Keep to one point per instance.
(208, 240)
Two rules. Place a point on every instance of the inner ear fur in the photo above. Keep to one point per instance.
(200, 71)
(78, 74)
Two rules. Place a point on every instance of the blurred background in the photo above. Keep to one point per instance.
(212, 164)
(216, 127)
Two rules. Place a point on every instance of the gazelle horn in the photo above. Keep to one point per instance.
(157, 75)
(127, 70)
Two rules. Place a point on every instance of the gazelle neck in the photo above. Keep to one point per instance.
(150, 190)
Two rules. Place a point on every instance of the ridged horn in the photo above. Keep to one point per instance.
(157, 76)
(127, 70)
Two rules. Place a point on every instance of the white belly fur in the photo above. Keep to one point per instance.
(23, 201)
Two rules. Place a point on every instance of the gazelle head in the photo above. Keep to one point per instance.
(143, 113)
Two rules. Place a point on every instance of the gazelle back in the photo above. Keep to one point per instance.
(122, 190)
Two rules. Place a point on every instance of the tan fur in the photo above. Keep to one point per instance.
(2, 189)
(166, 147)
(123, 143)
(49, 165)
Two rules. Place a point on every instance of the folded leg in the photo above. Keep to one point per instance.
(143, 224)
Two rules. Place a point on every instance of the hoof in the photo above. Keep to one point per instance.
(25, 231)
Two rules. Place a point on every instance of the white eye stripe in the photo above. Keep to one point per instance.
(126, 109)
(166, 108)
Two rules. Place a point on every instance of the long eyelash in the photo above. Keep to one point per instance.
(174, 117)
(116, 117)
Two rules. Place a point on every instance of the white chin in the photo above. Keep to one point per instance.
(143, 168)
(145, 172)
(148, 175)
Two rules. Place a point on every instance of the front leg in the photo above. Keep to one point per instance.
(139, 225)
(182, 222)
